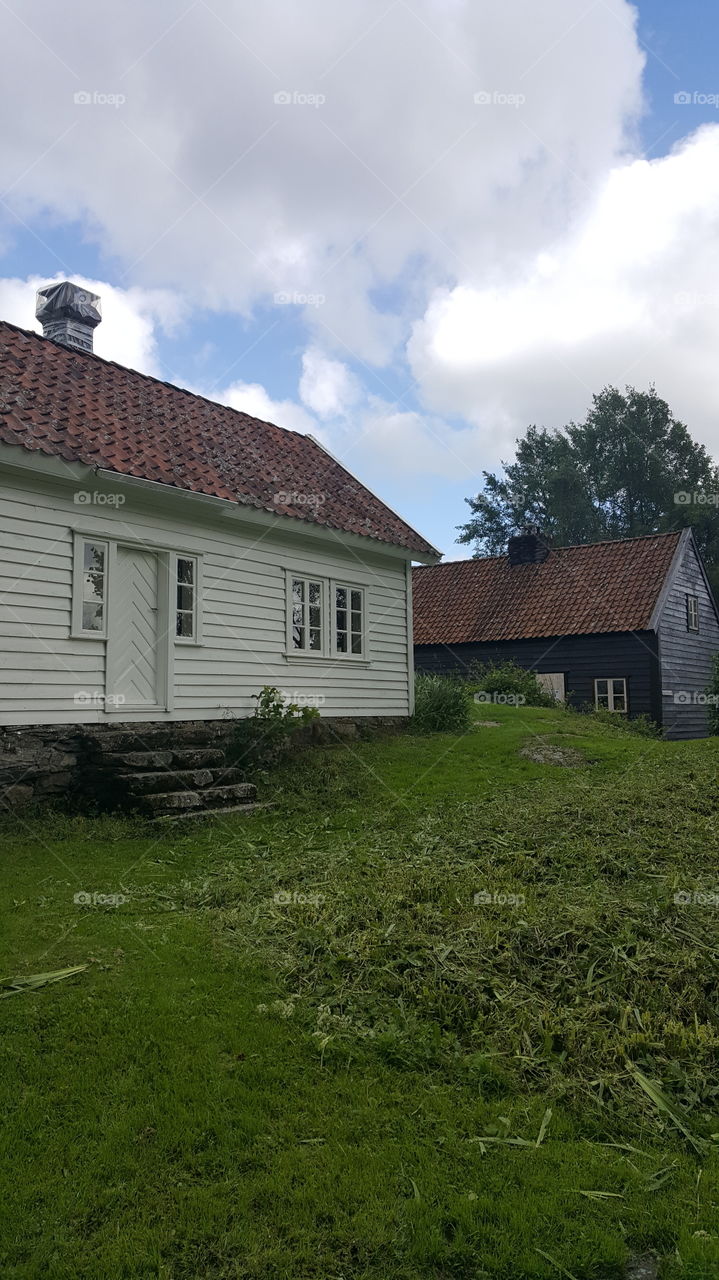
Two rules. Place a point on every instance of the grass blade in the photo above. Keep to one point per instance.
(32, 981)
(568, 1274)
(663, 1103)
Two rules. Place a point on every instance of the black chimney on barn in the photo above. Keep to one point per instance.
(528, 547)
(69, 314)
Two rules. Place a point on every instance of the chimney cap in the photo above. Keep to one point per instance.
(67, 301)
(528, 547)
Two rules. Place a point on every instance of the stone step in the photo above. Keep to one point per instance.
(214, 813)
(168, 802)
(208, 798)
(172, 736)
(184, 780)
(197, 757)
(181, 757)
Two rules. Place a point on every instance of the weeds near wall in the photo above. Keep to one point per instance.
(260, 740)
(440, 706)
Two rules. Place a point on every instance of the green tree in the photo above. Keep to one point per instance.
(615, 475)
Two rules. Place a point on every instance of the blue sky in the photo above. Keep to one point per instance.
(455, 268)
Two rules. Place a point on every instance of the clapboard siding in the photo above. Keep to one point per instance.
(582, 659)
(686, 656)
(44, 670)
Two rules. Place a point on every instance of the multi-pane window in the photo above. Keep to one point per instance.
(348, 620)
(692, 613)
(94, 586)
(186, 609)
(610, 695)
(307, 614)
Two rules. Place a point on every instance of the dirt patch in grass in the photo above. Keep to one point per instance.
(543, 752)
(644, 1268)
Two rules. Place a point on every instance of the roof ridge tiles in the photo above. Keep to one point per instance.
(79, 406)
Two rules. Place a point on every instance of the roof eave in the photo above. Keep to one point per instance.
(21, 459)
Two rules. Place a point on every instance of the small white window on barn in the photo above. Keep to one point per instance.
(610, 695)
(692, 613)
(186, 598)
(89, 602)
(348, 620)
(306, 615)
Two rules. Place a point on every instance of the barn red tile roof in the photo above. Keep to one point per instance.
(74, 405)
(604, 586)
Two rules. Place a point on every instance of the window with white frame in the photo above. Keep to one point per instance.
(692, 613)
(186, 598)
(306, 616)
(90, 588)
(348, 620)
(610, 695)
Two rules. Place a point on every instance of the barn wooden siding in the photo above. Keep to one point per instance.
(686, 656)
(582, 659)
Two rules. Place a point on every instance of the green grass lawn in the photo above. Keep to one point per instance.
(378, 1074)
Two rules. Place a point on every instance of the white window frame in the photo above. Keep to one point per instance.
(610, 681)
(197, 610)
(77, 631)
(291, 650)
(336, 583)
(692, 612)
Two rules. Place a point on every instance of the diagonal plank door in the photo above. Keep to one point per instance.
(134, 668)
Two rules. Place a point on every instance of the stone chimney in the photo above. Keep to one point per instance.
(528, 547)
(69, 314)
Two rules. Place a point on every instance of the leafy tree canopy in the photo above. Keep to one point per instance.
(615, 475)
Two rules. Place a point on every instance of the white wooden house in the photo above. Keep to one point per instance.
(164, 557)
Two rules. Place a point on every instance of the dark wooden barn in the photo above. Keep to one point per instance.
(630, 626)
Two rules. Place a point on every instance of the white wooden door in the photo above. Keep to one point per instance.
(553, 682)
(135, 636)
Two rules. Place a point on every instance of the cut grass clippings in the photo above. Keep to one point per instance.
(33, 981)
(445, 1012)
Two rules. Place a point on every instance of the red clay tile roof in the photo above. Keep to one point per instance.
(76, 406)
(605, 586)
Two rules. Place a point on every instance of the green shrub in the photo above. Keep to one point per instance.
(509, 680)
(713, 691)
(440, 705)
(261, 739)
(643, 726)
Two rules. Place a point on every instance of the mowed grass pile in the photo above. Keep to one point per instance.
(441, 1013)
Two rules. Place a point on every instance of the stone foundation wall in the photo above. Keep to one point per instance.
(53, 762)
(38, 763)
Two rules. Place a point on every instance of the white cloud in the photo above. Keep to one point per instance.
(253, 398)
(627, 296)
(206, 185)
(406, 442)
(130, 317)
(529, 254)
(327, 386)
